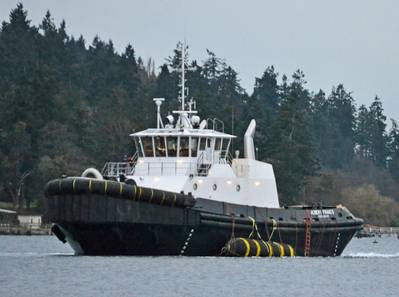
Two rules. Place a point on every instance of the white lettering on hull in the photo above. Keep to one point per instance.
(322, 213)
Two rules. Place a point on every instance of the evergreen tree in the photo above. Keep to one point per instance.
(370, 131)
(378, 139)
(167, 87)
(363, 135)
(263, 106)
(394, 150)
(293, 151)
(65, 107)
(341, 114)
(321, 127)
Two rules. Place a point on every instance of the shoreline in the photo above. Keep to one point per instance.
(7, 229)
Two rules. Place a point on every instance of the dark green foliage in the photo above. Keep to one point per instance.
(56, 100)
(263, 106)
(341, 116)
(378, 135)
(363, 132)
(291, 142)
(371, 136)
(393, 146)
(65, 105)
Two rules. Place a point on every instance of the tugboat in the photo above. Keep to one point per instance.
(182, 193)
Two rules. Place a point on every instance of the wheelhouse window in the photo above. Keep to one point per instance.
(218, 144)
(160, 147)
(172, 146)
(209, 142)
(137, 143)
(202, 144)
(184, 147)
(225, 147)
(147, 146)
(194, 146)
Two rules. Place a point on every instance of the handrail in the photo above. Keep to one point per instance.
(198, 167)
(208, 126)
(215, 121)
(202, 168)
(115, 169)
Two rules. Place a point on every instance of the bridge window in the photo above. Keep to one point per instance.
(225, 147)
(137, 143)
(202, 144)
(218, 144)
(208, 142)
(194, 146)
(184, 147)
(160, 148)
(147, 146)
(172, 146)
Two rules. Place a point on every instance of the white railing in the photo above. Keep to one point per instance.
(166, 168)
(178, 167)
(115, 169)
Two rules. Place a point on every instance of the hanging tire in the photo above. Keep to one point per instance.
(92, 173)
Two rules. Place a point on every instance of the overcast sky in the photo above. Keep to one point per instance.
(342, 41)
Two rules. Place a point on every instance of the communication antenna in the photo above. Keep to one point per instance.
(184, 115)
(158, 102)
(183, 62)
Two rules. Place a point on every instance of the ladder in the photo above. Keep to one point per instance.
(308, 227)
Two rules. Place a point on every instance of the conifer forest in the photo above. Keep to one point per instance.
(67, 104)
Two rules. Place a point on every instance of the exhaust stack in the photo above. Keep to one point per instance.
(249, 148)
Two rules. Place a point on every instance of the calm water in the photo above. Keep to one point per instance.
(42, 266)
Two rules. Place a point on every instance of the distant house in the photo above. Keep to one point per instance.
(8, 216)
(31, 221)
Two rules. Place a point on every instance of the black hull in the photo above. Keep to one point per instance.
(162, 240)
(100, 224)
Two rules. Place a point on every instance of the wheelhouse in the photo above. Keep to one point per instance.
(193, 143)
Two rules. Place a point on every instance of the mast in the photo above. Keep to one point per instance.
(183, 56)
(184, 120)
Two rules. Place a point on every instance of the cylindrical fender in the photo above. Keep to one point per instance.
(248, 247)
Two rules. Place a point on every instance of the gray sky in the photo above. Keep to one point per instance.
(354, 42)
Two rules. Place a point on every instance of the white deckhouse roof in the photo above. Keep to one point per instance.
(183, 132)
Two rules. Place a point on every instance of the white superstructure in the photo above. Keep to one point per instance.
(193, 156)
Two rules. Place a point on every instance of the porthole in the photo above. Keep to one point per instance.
(195, 187)
(238, 188)
(214, 187)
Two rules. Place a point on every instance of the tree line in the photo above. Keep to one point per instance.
(66, 105)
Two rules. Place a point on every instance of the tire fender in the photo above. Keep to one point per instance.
(92, 173)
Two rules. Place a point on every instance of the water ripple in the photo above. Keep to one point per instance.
(371, 255)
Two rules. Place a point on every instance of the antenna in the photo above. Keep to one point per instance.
(183, 58)
(158, 102)
(184, 120)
